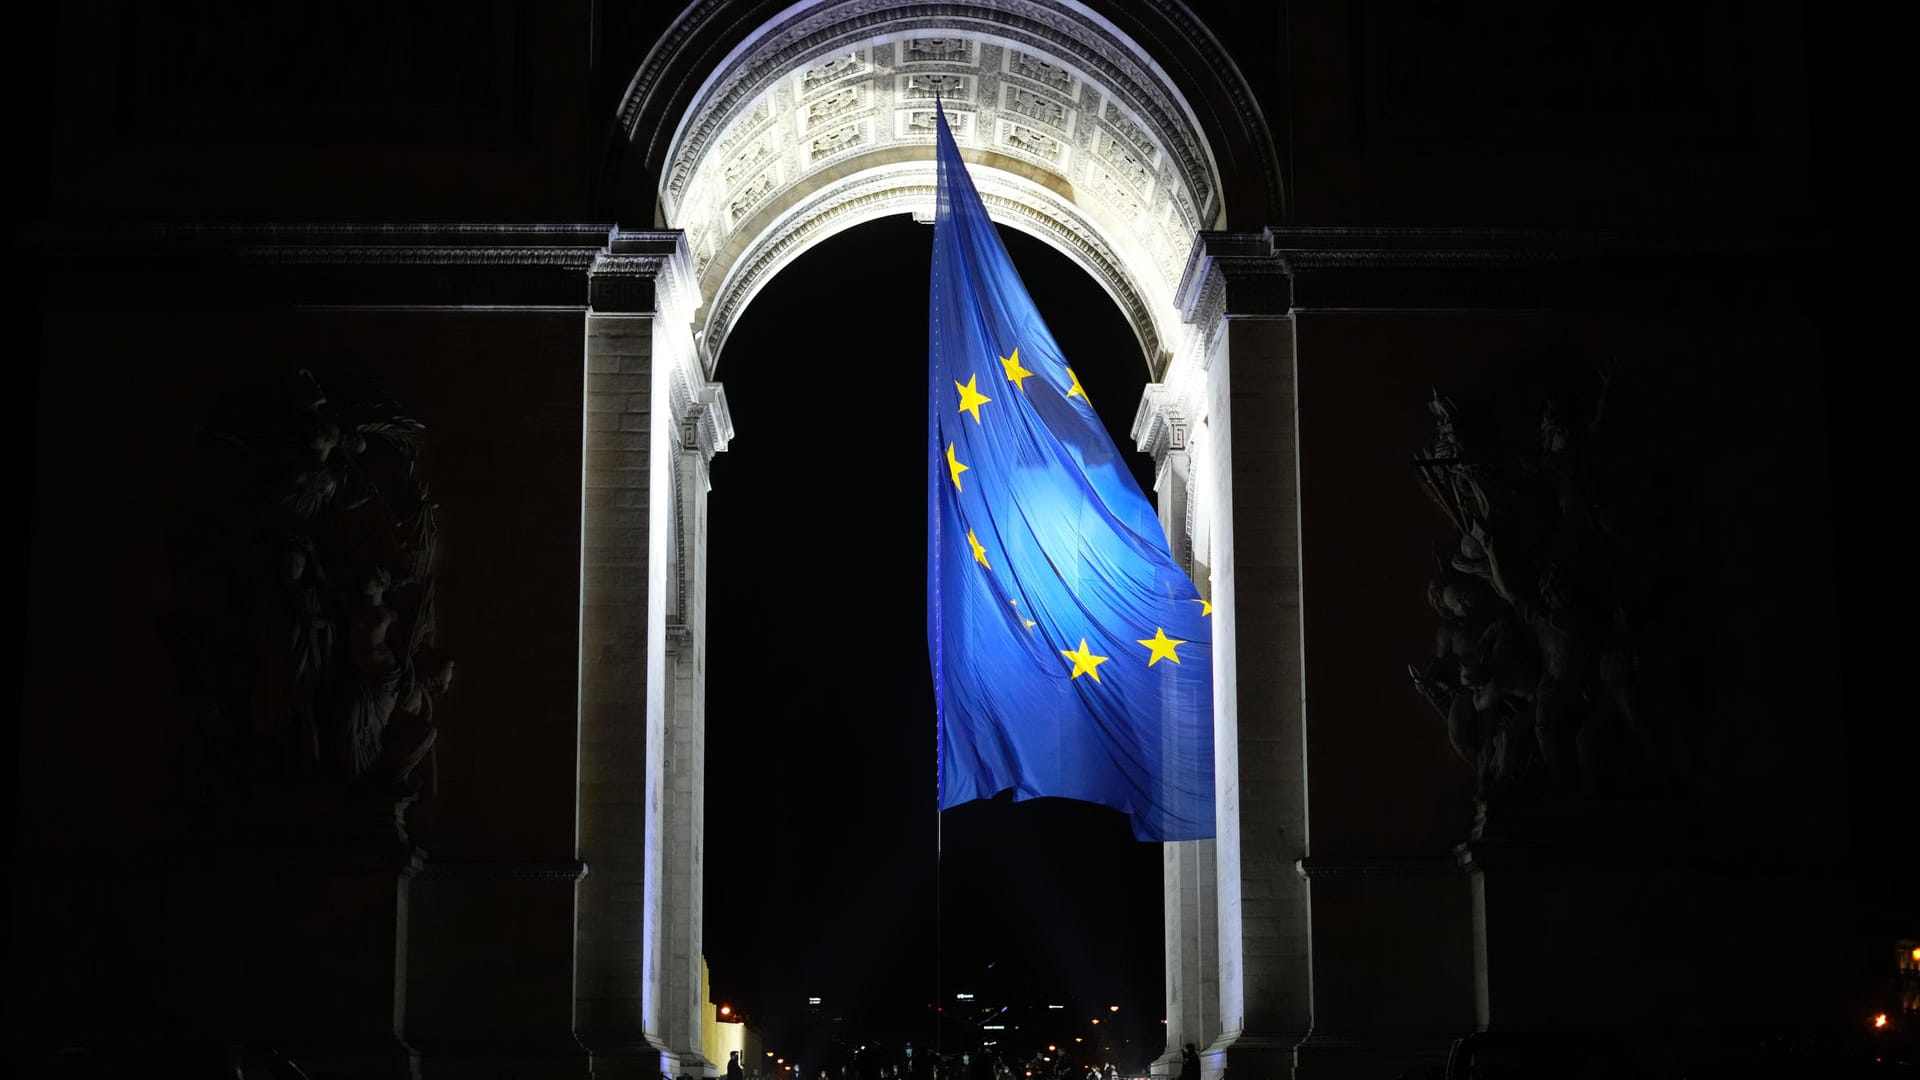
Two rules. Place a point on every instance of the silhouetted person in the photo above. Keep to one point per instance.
(1189, 1063)
(734, 1071)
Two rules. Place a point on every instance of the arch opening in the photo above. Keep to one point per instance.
(847, 581)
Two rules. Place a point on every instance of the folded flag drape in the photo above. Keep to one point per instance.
(1072, 655)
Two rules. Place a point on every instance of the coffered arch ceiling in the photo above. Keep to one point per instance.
(823, 118)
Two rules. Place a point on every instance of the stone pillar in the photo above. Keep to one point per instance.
(1188, 870)
(702, 428)
(1241, 365)
(629, 1007)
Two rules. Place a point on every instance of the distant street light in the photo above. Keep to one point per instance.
(1113, 1008)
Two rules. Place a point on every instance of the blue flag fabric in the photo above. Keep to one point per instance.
(1072, 656)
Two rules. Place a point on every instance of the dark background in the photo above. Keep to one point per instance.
(821, 822)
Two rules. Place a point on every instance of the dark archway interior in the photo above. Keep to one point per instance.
(820, 707)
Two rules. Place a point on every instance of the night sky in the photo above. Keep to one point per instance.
(820, 807)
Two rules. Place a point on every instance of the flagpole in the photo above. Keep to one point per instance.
(939, 834)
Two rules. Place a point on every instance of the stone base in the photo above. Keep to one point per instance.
(1373, 1057)
(1646, 936)
(628, 1057)
(492, 1060)
(1248, 1057)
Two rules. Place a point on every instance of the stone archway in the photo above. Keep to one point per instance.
(800, 125)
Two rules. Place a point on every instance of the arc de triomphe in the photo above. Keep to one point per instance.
(759, 145)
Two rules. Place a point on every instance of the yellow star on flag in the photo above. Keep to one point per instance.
(1084, 662)
(1014, 370)
(1075, 390)
(1162, 646)
(954, 467)
(1030, 623)
(980, 554)
(1206, 607)
(971, 398)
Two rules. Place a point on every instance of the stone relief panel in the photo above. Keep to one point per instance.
(1122, 162)
(947, 87)
(1035, 105)
(749, 197)
(1567, 668)
(1048, 74)
(919, 125)
(839, 140)
(1124, 128)
(833, 70)
(937, 50)
(743, 130)
(1030, 141)
(1117, 193)
(303, 561)
(835, 104)
(752, 157)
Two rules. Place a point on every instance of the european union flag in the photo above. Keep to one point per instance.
(1072, 656)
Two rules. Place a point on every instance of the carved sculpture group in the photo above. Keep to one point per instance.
(304, 572)
(1561, 666)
